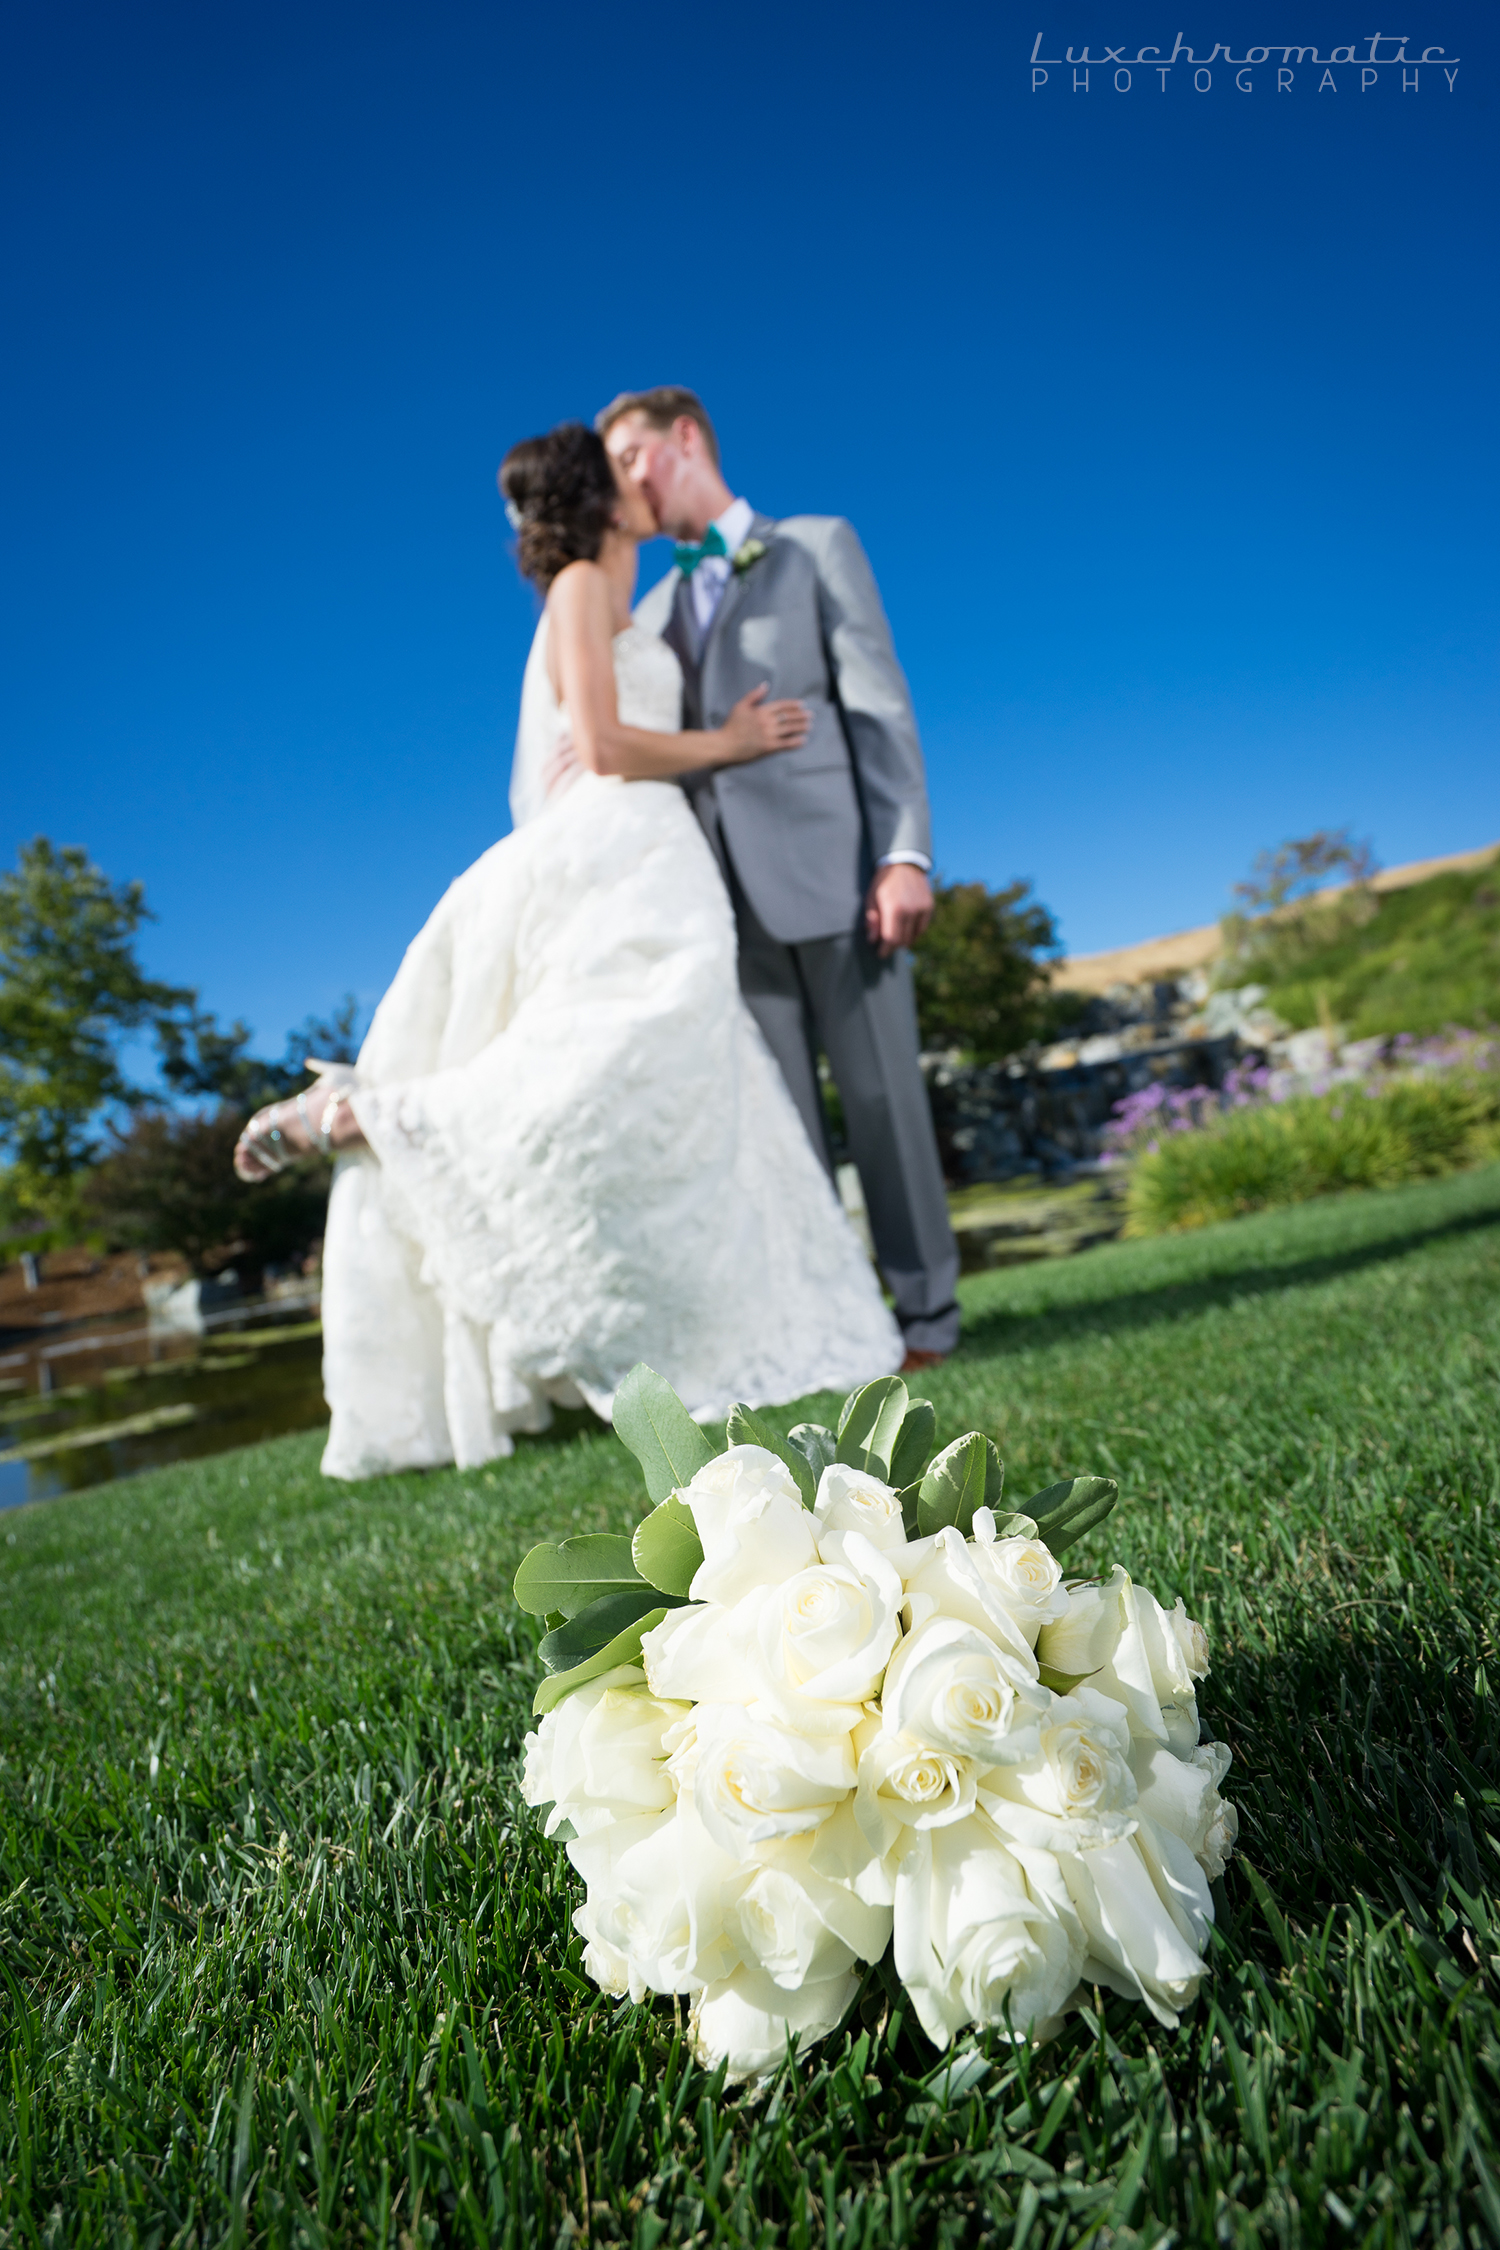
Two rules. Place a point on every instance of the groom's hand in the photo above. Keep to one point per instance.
(898, 907)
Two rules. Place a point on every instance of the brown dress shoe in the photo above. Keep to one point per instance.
(917, 1362)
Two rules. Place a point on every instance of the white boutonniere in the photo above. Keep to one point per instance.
(746, 556)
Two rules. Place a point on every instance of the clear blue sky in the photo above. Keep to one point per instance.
(1167, 418)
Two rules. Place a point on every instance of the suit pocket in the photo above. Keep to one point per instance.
(824, 751)
(760, 641)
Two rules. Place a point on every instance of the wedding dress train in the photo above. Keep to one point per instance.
(581, 1153)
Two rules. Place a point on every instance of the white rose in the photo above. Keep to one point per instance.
(908, 1785)
(826, 1635)
(781, 1905)
(841, 1852)
(1078, 1792)
(944, 1579)
(949, 1685)
(974, 1943)
(850, 1500)
(598, 1755)
(750, 1518)
(1026, 1575)
(634, 1920)
(753, 1779)
(1181, 1794)
(780, 1931)
(1190, 1636)
(1134, 1650)
(699, 1654)
(1146, 1913)
(609, 1968)
(748, 2019)
(787, 1922)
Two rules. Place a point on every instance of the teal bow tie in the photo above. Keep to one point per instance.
(689, 557)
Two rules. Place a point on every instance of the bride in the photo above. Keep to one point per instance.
(565, 1147)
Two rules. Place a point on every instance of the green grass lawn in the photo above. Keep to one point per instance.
(286, 1960)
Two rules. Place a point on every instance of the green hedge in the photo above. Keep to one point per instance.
(1351, 1137)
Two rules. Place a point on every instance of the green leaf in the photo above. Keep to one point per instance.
(870, 1425)
(1064, 1512)
(666, 1546)
(625, 1648)
(954, 1486)
(909, 1497)
(816, 1445)
(660, 1432)
(569, 1577)
(913, 1446)
(1014, 1527)
(1061, 1683)
(746, 1428)
(593, 1628)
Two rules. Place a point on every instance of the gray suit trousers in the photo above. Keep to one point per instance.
(836, 992)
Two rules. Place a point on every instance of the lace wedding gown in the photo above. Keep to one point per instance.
(581, 1153)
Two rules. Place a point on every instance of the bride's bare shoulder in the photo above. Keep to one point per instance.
(580, 592)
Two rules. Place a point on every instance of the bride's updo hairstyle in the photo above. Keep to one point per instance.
(560, 495)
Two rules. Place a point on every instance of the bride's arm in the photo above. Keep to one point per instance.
(582, 650)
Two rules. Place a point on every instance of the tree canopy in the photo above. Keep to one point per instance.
(981, 970)
(71, 989)
(1290, 910)
(83, 1148)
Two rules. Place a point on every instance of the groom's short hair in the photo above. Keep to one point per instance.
(667, 404)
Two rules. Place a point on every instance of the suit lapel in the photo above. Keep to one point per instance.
(681, 628)
(761, 527)
(680, 632)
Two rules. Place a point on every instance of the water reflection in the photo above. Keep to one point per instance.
(81, 1410)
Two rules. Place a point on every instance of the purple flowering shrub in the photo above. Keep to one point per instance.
(1270, 1136)
(1144, 1119)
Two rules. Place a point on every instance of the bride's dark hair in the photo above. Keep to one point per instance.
(560, 493)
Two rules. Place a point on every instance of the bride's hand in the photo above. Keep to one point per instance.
(272, 1137)
(755, 728)
(286, 1129)
(563, 765)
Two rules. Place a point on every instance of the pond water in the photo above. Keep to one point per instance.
(83, 1409)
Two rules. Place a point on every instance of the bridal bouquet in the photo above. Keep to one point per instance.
(832, 1699)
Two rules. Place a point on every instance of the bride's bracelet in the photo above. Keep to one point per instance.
(316, 1137)
(336, 1101)
(322, 1135)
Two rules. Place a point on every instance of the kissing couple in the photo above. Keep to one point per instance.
(586, 1128)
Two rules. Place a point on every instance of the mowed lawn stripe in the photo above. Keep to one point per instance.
(285, 1959)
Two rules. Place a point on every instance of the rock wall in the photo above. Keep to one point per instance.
(1043, 1112)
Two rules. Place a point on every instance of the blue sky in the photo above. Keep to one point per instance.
(1165, 414)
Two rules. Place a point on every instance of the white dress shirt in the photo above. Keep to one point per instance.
(712, 575)
(707, 584)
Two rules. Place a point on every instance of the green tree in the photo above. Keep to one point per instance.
(71, 990)
(1288, 908)
(199, 1058)
(168, 1183)
(982, 970)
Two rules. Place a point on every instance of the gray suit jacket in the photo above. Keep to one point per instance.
(803, 828)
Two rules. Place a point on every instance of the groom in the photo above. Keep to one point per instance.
(825, 849)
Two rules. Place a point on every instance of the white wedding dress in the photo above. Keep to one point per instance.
(581, 1153)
